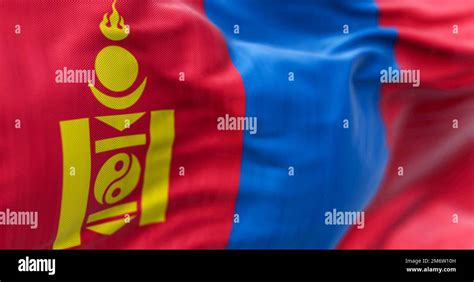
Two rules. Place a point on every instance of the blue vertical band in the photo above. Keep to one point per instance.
(300, 122)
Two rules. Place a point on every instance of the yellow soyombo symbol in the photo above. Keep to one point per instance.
(119, 176)
(117, 70)
(114, 27)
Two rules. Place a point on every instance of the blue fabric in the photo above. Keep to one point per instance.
(300, 122)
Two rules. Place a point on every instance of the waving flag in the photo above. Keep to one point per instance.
(236, 124)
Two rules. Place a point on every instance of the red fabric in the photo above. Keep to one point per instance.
(166, 38)
(417, 210)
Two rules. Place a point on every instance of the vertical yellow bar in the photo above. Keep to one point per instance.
(75, 136)
(157, 169)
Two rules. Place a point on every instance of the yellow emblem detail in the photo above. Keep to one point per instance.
(114, 27)
(122, 172)
(116, 68)
(108, 228)
(119, 103)
(117, 178)
(120, 122)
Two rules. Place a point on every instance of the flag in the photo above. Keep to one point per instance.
(210, 124)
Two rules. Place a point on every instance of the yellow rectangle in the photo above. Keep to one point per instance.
(113, 211)
(157, 171)
(115, 143)
(75, 137)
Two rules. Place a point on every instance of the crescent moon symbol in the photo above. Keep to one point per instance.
(119, 103)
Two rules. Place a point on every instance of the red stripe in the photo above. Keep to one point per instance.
(417, 210)
(167, 37)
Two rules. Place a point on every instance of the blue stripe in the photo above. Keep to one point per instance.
(300, 122)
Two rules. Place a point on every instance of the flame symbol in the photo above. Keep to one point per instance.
(113, 27)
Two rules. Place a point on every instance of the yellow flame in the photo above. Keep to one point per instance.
(113, 26)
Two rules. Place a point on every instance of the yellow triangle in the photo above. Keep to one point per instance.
(109, 228)
(121, 122)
